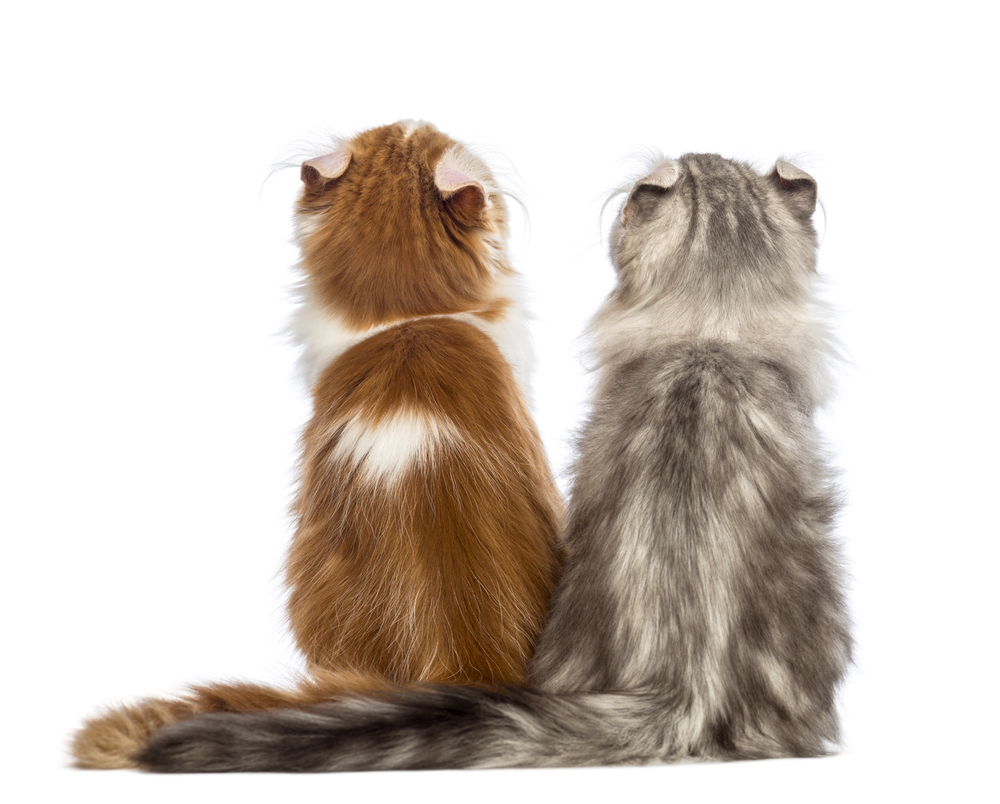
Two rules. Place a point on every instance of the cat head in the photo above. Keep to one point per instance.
(399, 221)
(712, 228)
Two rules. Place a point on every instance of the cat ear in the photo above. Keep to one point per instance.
(647, 192)
(325, 168)
(464, 195)
(665, 176)
(796, 185)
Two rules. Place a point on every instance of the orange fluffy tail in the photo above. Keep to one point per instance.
(112, 739)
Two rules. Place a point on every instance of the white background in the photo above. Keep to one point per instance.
(150, 408)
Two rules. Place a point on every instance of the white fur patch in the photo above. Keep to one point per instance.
(388, 449)
(325, 336)
(307, 225)
(510, 331)
(409, 126)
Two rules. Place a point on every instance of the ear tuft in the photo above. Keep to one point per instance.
(325, 168)
(797, 186)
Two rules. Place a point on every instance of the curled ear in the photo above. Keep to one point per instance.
(797, 186)
(318, 171)
(465, 195)
(649, 190)
(665, 176)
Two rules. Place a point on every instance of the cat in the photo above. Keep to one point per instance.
(701, 613)
(427, 516)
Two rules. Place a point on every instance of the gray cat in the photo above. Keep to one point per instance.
(701, 614)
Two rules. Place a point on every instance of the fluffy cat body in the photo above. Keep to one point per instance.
(425, 549)
(701, 611)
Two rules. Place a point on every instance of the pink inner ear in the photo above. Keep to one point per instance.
(331, 165)
(450, 180)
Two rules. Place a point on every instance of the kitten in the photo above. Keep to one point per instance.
(701, 612)
(426, 546)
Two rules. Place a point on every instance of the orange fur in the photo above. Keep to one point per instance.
(392, 247)
(111, 739)
(444, 574)
(427, 517)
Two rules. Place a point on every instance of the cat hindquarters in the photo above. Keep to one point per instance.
(426, 548)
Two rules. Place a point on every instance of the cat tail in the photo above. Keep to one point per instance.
(111, 739)
(424, 728)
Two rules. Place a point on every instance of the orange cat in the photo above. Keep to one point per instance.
(427, 516)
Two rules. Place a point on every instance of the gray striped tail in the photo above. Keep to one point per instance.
(421, 728)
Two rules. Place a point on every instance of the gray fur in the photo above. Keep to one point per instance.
(701, 613)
